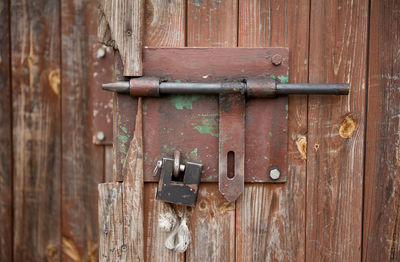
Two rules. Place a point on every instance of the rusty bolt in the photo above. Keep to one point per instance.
(101, 53)
(276, 60)
(100, 136)
(274, 173)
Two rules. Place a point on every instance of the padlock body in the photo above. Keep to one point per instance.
(180, 192)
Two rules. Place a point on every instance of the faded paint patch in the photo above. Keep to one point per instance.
(284, 78)
(207, 129)
(54, 81)
(348, 126)
(186, 101)
(301, 144)
(194, 153)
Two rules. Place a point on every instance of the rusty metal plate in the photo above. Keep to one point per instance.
(103, 71)
(190, 123)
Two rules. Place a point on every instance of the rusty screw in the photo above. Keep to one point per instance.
(100, 136)
(274, 173)
(276, 60)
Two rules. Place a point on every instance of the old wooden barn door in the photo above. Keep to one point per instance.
(317, 215)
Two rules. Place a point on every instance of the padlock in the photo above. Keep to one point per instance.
(179, 183)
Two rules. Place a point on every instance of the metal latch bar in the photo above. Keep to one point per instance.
(252, 87)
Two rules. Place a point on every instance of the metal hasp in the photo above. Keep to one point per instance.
(234, 120)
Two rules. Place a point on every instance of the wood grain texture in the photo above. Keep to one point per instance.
(155, 249)
(108, 164)
(121, 25)
(381, 238)
(338, 42)
(110, 221)
(133, 194)
(270, 218)
(212, 23)
(35, 52)
(165, 26)
(212, 222)
(82, 161)
(6, 179)
(165, 23)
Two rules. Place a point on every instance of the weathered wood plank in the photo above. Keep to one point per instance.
(338, 41)
(6, 196)
(212, 23)
(133, 194)
(35, 52)
(110, 221)
(121, 26)
(82, 161)
(381, 238)
(108, 164)
(212, 221)
(165, 26)
(270, 218)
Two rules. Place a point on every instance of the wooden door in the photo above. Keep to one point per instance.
(341, 200)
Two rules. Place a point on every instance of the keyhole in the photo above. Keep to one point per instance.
(231, 164)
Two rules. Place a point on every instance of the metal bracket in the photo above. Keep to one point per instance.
(250, 138)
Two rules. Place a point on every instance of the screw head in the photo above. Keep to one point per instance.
(100, 136)
(124, 248)
(101, 53)
(276, 60)
(274, 173)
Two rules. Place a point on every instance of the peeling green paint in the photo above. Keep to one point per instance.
(178, 81)
(166, 149)
(124, 129)
(284, 78)
(287, 107)
(208, 178)
(270, 134)
(186, 101)
(206, 130)
(272, 76)
(265, 157)
(123, 138)
(194, 153)
(117, 71)
(216, 176)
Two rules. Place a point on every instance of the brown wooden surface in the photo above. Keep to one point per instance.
(133, 194)
(313, 217)
(121, 26)
(6, 190)
(338, 45)
(36, 101)
(82, 161)
(270, 218)
(381, 238)
(111, 233)
(165, 26)
(212, 222)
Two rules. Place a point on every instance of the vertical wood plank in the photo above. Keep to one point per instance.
(382, 168)
(338, 40)
(6, 195)
(121, 26)
(110, 221)
(270, 218)
(212, 221)
(108, 164)
(35, 52)
(165, 26)
(133, 190)
(82, 161)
